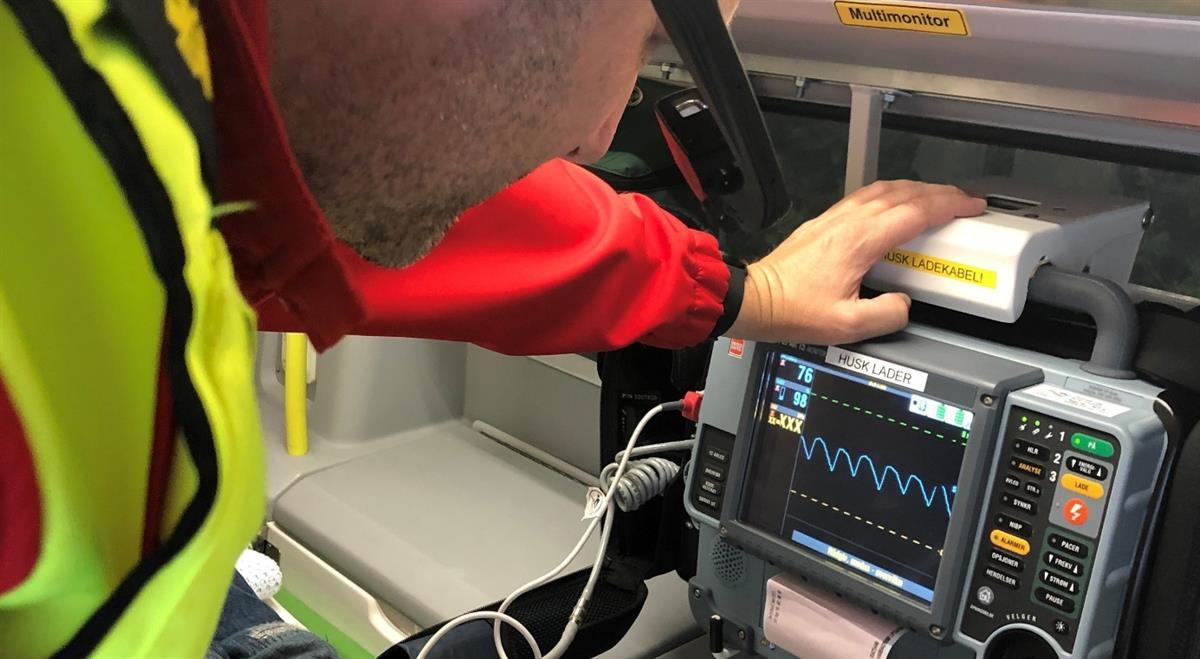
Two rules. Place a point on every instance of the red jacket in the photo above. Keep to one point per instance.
(558, 262)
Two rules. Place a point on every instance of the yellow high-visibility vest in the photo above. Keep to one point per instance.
(107, 254)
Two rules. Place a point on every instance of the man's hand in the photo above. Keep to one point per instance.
(807, 290)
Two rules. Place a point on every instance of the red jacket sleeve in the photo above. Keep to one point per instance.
(558, 262)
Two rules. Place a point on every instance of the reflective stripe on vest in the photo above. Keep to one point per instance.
(101, 192)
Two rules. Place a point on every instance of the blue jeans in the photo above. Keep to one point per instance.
(249, 629)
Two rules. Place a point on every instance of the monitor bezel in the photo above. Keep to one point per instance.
(935, 618)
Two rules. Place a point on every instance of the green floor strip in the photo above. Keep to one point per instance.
(345, 645)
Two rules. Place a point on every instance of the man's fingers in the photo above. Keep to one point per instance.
(880, 315)
(869, 193)
(905, 221)
(826, 258)
(866, 204)
(897, 196)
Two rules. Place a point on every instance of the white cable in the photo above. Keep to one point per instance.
(665, 447)
(645, 479)
(576, 618)
(573, 622)
(482, 615)
(574, 553)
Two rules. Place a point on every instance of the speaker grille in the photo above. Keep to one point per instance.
(729, 563)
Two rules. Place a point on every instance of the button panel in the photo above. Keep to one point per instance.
(1055, 600)
(1014, 526)
(1045, 515)
(1087, 468)
(1084, 486)
(1075, 512)
(1007, 560)
(1002, 578)
(1060, 582)
(1028, 467)
(1060, 562)
(1067, 546)
(1020, 504)
(717, 455)
(1079, 501)
(1036, 451)
(1010, 542)
(709, 476)
(1101, 448)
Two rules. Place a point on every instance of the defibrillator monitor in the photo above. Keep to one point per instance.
(875, 469)
(926, 482)
(863, 465)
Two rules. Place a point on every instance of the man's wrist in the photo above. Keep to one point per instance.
(753, 320)
(734, 295)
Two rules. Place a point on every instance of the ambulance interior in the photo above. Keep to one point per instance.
(438, 477)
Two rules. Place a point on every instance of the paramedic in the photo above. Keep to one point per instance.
(130, 457)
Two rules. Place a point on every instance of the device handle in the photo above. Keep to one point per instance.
(1110, 308)
(698, 32)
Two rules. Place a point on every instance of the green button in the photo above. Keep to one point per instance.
(1093, 445)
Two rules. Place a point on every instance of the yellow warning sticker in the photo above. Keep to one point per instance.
(913, 18)
(967, 274)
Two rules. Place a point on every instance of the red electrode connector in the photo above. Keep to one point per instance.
(691, 405)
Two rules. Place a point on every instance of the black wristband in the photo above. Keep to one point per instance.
(733, 301)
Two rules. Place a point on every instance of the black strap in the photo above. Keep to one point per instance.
(155, 37)
(698, 32)
(733, 301)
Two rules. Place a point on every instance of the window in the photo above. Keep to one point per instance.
(812, 157)
(1160, 7)
(1169, 258)
(811, 142)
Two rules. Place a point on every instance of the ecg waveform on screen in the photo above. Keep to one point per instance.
(930, 496)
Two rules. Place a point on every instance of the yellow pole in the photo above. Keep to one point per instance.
(295, 392)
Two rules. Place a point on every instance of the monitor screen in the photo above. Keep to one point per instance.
(860, 472)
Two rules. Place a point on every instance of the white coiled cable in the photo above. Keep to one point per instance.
(644, 480)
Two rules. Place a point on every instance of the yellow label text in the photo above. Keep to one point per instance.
(967, 274)
(913, 18)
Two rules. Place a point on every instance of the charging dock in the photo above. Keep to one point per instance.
(983, 265)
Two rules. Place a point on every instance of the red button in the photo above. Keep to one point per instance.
(1075, 511)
